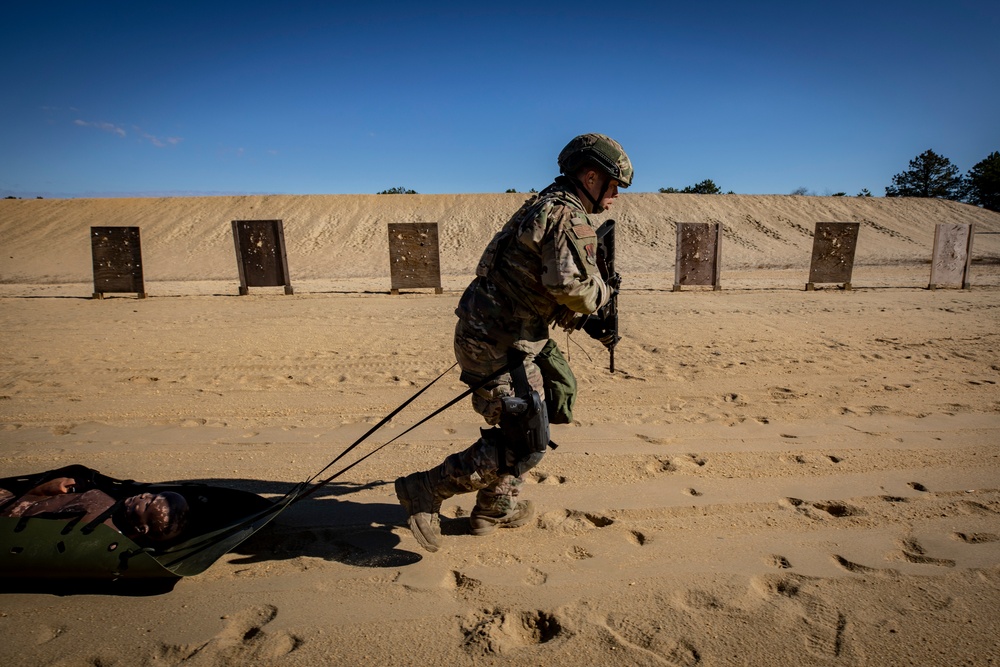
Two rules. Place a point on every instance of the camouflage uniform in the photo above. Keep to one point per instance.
(540, 269)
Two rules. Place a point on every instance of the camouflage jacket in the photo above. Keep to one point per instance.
(539, 269)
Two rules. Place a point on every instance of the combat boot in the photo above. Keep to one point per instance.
(497, 505)
(485, 521)
(416, 495)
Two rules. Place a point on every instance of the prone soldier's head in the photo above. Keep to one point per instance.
(155, 517)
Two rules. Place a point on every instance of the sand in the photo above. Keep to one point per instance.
(771, 477)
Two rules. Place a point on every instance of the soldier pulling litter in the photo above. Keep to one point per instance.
(542, 268)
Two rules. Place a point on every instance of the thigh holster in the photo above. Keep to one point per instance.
(523, 433)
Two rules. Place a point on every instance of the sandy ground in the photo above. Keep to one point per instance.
(772, 477)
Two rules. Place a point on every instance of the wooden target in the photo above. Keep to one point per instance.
(414, 256)
(117, 256)
(952, 256)
(699, 254)
(834, 244)
(260, 254)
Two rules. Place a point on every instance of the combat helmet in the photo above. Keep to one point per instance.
(599, 150)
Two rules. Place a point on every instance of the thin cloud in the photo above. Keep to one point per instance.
(157, 141)
(107, 127)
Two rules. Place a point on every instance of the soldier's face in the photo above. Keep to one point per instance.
(611, 195)
(595, 180)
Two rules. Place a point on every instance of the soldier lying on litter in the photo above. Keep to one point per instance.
(146, 518)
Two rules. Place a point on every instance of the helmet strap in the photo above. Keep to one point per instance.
(600, 198)
(595, 204)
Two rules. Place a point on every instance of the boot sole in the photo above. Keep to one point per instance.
(419, 536)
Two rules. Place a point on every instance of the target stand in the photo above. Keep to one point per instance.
(834, 244)
(699, 255)
(414, 256)
(952, 258)
(117, 256)
(260, 254)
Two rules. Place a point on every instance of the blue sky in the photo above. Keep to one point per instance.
(148, 99)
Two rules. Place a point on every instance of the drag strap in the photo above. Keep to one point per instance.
(485, 381)
(381, 423)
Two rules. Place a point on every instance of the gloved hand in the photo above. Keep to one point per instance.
(598, 329)
(568, 319)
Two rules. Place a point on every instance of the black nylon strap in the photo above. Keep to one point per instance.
(380, 424)
(313, 489)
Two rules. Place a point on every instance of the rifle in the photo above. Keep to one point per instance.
(606, 265)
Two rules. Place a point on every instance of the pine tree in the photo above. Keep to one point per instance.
(706, 187)
(984, 183)
(929, 175)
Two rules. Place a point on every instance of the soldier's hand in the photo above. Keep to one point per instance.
(598, 329)
(568, 319)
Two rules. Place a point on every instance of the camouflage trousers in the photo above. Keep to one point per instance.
(479, 467)
(479, 359)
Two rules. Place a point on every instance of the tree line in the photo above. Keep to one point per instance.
(929, 175)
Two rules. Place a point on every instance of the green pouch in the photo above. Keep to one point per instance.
(560, 383)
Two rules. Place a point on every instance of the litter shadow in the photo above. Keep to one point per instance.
(324, 525)
(69, 587)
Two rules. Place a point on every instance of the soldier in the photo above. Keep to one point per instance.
(144, 518)
(539, 270)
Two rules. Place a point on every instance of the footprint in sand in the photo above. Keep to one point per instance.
(858, 568)
(699, 600)
(825, 626)
(572, 522)
(654, 441)
(499, 631)
(542, 478)
(243, 640)
(462, 583)
(822, 509)
(650, 640)
(637, 538)
(662, 464)
(972, 507)
(536, 577)
(779, 562)
(975, 538)
(913, 552)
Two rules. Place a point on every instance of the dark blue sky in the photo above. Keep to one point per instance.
(115, 98)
